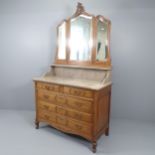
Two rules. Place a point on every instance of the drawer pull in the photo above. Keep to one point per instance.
(46, 107)
(77, 92)
(47, 87)
(46, 96)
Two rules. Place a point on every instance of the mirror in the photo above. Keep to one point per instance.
(80, 38)
(83, 39)
(102, 41)
(62, 41)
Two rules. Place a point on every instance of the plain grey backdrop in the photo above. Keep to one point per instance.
(28, 45)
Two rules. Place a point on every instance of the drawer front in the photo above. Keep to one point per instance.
(61, 99)
(50, 87)
(78, 127)
(74, 114)
(61, 120)
(79, 116)
(46, 106)
(46, 95)
(79, 105)
(46, 116)
(61, 111)
(65, 101)
(73, 125)
(78, 92)
(65, 124)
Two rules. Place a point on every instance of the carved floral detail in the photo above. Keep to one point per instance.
(80, 8)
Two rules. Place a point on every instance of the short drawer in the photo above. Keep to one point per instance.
(49, 87)
(79, 104)
(78, 92)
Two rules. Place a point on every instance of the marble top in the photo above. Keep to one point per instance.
(82, 83)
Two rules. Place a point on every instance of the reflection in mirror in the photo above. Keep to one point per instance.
(102, 40)
(62, 41)
(80, 38)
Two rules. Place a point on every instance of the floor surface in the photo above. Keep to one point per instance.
(18, 136)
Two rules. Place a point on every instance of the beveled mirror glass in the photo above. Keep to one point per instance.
(62, 41)
(102, 41)
(80, 38)
(83, 39)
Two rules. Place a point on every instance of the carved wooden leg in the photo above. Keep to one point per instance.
(37, 124)
(107, 132)
(94, 145)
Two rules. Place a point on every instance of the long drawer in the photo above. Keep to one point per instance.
(76, 126)
(65, 89)
(65, 101)
(52, 108)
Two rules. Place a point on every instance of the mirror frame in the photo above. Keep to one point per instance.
(93, 62)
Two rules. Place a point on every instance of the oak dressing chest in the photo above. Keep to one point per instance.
(74, 95)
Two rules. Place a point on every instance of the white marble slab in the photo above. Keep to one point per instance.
(82, 83)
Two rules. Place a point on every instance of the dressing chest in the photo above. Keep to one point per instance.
(74, 95)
